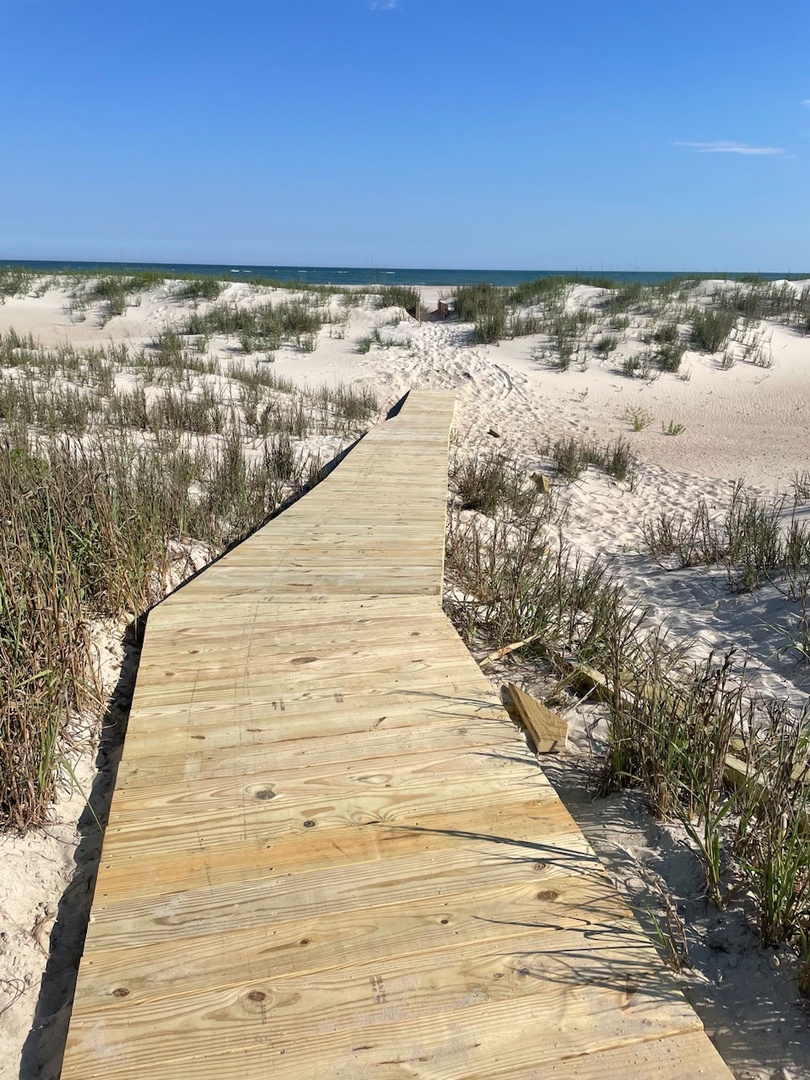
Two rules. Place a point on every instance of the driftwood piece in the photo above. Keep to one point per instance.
(506, 649)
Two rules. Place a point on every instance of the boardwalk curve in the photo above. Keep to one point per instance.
(330, 853)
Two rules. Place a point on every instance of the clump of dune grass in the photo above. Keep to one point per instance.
(510, 581)
(348, 403)
(623, 299)
(15, 281)
(607, 344)
(202, 287)
(773, 835)
(712, 327)
(754, 300)
(672, 728)
(492, 483)
(751, 539)
(552, 288)
(88, 531)
(484, 305)
(404, 296)
(376, 337)
(801, 487)
(572, 456)
(261, 326)
(669, 348)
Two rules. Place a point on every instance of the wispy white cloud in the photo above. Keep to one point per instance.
(730, 148)
(383, 5)
(806, 102)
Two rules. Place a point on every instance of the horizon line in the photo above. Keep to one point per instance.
(167, 264)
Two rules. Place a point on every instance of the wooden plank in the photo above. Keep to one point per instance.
(295, 876)
(547, 730)
(207, 861)
(478, 1038)
(301, 944)
(624, 1000)
(328, 853)
(247, 755)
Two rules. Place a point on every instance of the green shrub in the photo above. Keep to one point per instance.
(711, 328)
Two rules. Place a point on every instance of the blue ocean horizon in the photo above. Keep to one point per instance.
(366, 275)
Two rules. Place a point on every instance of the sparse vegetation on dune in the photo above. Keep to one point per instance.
(203, 287)
(15, 280)
(673, 722)
(668, 317)
(112, 462)
(265, 325)
(113, 292)
(572, 456)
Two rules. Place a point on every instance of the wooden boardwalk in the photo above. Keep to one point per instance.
(330, 853)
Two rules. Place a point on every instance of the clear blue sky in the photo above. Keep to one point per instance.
(510, 134)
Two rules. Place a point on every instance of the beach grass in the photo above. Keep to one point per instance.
(672, 721)
(104, 484)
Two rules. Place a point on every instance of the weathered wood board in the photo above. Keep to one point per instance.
(548, 731)
(330, 853)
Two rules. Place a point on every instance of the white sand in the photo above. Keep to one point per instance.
(747, 422)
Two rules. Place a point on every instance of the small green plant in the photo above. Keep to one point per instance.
(204, 287)
(607, 344)
(668, 356)
(572, 456)
(672, 428)
(637, 417)
(712, 327)
(404, 296)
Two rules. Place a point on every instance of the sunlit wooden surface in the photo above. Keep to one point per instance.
(330, 853)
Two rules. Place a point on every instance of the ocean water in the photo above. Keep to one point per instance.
(369, 275)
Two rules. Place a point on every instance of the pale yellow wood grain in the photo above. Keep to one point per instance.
(477, 913)
(548, 731)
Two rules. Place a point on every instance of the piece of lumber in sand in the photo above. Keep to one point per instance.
(329, 853)
(547, 730)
